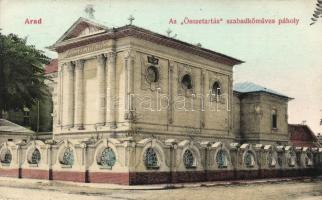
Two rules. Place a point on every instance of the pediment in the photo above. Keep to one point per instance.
(81, 28)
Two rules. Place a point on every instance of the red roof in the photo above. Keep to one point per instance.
(51, 67)
(302, 135)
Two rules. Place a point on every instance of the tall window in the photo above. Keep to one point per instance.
(35, 157)
(291, 159)
(280, 159)
(249, 159)
(68, 157)
(221, 159)
(151, 159)
(152, 74)
(188, 159)
(274, 118)
(26, 117)
(6, 156)
(108, 158)
(186, 82)
(216, 89)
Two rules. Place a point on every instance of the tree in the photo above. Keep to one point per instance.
(21, 74)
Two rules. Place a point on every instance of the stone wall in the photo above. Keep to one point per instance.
(130, 162)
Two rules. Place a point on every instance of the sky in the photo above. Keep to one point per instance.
(286, 58)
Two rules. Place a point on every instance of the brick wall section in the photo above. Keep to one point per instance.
(103, 177)
(69, 176)
(35, 174)
(10, 172)
(154, 177)
(141, 178)
(220, 175)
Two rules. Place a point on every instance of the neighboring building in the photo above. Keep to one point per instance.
(135, 107)
(302, 136)
(12, 132)
(263, 114)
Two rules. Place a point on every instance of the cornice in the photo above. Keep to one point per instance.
(140, 33)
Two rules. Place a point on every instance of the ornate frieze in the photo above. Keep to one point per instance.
(90, 48)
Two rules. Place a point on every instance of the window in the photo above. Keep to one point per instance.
(221, 159)
(308, 159)
(216, 89)
(108, 158)
(291, 159)
(35, 157)
(298, 158)
(186, 82)
(280, 159)
(26, 117)
(68, 157)
(6, 156)
(249, 159)
(188, 159)
(274, 119)
(152, 74)
(271, 160)
(151, 159)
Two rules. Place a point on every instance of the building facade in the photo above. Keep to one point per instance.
(136, 107)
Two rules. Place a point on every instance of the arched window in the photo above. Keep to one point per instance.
(35, 157)
(270, 159)
(151, 159)
(107, 158)
(6, 156)
(188, 159)
(274, 119)
(221, 159)
(186, 82)
(249, 159)
(308, 159)
(280, 158)
(68, 157)
(152, 74)
(216, 89)
(291, 159)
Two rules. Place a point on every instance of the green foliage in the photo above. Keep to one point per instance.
(21, 74)
(317, 12)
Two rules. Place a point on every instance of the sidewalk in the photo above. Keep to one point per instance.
(61, 185)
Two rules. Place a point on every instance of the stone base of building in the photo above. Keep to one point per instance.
(144, 178)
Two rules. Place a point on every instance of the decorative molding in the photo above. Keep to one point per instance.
(145, 84)
(141, 33)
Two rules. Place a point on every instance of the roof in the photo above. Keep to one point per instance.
(68, 40)
(249, 87)
(10, 127)
(302, 135)
(51, 67)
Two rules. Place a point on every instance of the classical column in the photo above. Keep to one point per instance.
(68, 95)
(58, 89)
(79, 94)
(112, 99)
(203, 99)
(101, 98)
(129, 85)
(170, 92)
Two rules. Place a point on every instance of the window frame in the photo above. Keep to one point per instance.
(274, 119)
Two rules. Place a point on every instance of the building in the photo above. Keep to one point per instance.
(12, 132)
(135, 107)
(301, 135)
